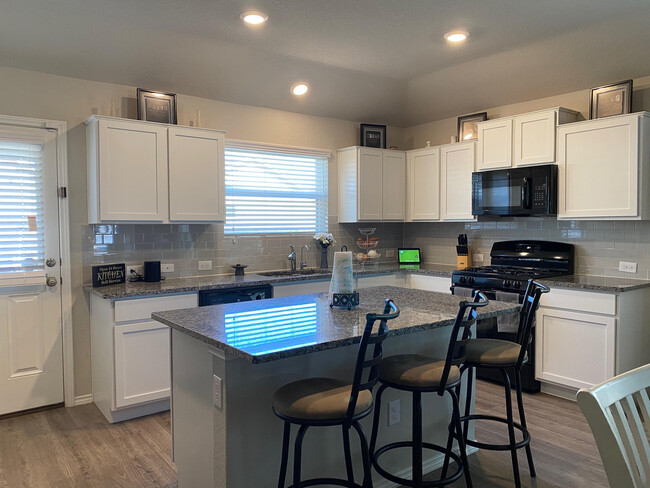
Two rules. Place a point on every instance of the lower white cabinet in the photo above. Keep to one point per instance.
(130, 354)
(574, 349)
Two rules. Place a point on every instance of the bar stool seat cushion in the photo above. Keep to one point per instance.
(415, 370)
(318, 399)
(492, 352)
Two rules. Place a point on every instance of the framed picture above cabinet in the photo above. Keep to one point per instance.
(372, 136)
(467, 130)
(608, 100)
(156, 106)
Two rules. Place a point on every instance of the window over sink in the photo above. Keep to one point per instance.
(274, 189)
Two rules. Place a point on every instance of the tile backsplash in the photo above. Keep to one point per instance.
(600, 245)
(184, 245)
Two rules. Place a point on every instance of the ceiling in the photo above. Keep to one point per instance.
(376, 61)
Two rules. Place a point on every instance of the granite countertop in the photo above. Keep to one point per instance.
(268, 330)
(180, 285)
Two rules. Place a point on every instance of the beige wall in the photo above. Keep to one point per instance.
(31, 94)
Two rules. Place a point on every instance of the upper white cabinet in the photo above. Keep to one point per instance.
(521, 140)
(423, 184)
(439, 182)
(372, 184)
(146, 172)
(603, 168)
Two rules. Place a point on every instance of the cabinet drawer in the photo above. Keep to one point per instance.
(582, 301)
(142, 308)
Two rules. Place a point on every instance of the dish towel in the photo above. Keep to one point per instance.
(463, 292)
(507, 323)
(342, 278)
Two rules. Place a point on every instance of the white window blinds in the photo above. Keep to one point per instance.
(22, 240)
(270, 191)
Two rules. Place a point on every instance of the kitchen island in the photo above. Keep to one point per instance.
(227, 360)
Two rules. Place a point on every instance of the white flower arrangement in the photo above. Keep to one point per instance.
(324, 239)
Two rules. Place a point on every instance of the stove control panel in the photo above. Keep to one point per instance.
(512, 284)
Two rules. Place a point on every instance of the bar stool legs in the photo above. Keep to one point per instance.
(511, 427)
(522, 419)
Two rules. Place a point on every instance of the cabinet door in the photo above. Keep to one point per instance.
(574, 349)
(196, 175)
(394, 185)
(535, 138)
(598, 169)
(370, 184)
(456, 166)
(142, 367)
(495, 144)
(132, 171)
(423, 184)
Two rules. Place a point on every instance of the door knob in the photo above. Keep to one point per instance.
(50, 263)
(50, 280)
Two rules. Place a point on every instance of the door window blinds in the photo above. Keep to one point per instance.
(271, 192)
(22, 238)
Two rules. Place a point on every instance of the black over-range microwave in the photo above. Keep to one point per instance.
(519, 191)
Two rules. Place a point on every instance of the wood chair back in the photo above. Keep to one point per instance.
(618, 412)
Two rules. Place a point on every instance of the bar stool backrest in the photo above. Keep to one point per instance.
(527, 316)
(616, 411)
(370, 365)
(460, 335)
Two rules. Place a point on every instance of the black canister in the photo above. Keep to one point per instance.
(152, 271)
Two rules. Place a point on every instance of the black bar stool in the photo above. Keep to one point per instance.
(317, 402)
(421, 374)
(504, 356)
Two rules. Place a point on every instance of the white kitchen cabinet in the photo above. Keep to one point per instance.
(456, 166)
(495, 144)
(441, 284)
(147, 172)
(603, 168)
(394, 279)
(130, 354)
(196, 175)
(127, 171)
(372, 184)
(423, 184)
(525, 139)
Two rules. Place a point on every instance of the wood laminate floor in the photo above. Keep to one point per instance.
(76, 447)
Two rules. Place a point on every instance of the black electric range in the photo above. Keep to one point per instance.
(513, 263)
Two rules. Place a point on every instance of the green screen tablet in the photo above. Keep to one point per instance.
(408, 256)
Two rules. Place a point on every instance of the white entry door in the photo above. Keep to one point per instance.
(31, 359)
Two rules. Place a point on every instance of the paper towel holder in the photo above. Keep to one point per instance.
(345, 300)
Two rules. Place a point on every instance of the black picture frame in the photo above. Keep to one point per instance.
(371, 135)
(610, 100)
(155, 106)
(109, 274)
(467, 130)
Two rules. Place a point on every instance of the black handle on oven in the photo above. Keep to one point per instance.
(525, 193)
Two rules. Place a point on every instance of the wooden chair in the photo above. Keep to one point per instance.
(617, 411)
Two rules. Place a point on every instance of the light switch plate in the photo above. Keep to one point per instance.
(626, 267)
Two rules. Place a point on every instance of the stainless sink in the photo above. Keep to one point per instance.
(298, 272)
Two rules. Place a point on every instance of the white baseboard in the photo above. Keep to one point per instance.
(566, 392)
(428, 465)
(83, 399)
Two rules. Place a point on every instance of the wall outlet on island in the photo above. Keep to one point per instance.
(131, 269)
(626, 267)
(205, 265)
(393, 412)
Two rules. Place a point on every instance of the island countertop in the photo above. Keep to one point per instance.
(277, 328)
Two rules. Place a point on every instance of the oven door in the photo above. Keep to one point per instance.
(502, 192)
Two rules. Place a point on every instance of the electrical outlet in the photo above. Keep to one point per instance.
(216, 391)
(393, 412)
(205, 265)
(390, 253)
(138, 268)
(626, 267)
(167, 268)
(477, 258)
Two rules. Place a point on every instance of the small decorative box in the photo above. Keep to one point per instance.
(345, 300)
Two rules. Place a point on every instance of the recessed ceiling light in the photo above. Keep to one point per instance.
(300, 88)
(253, 17)
(456, 36)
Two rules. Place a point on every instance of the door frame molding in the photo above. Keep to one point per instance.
(60, 127)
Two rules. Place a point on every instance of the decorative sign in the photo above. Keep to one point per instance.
(373, 136)
(109, 274)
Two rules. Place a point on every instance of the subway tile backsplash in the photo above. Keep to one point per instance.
(600, 245)
(184, 245)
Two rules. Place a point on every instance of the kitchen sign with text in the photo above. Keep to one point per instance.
(109, 274)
